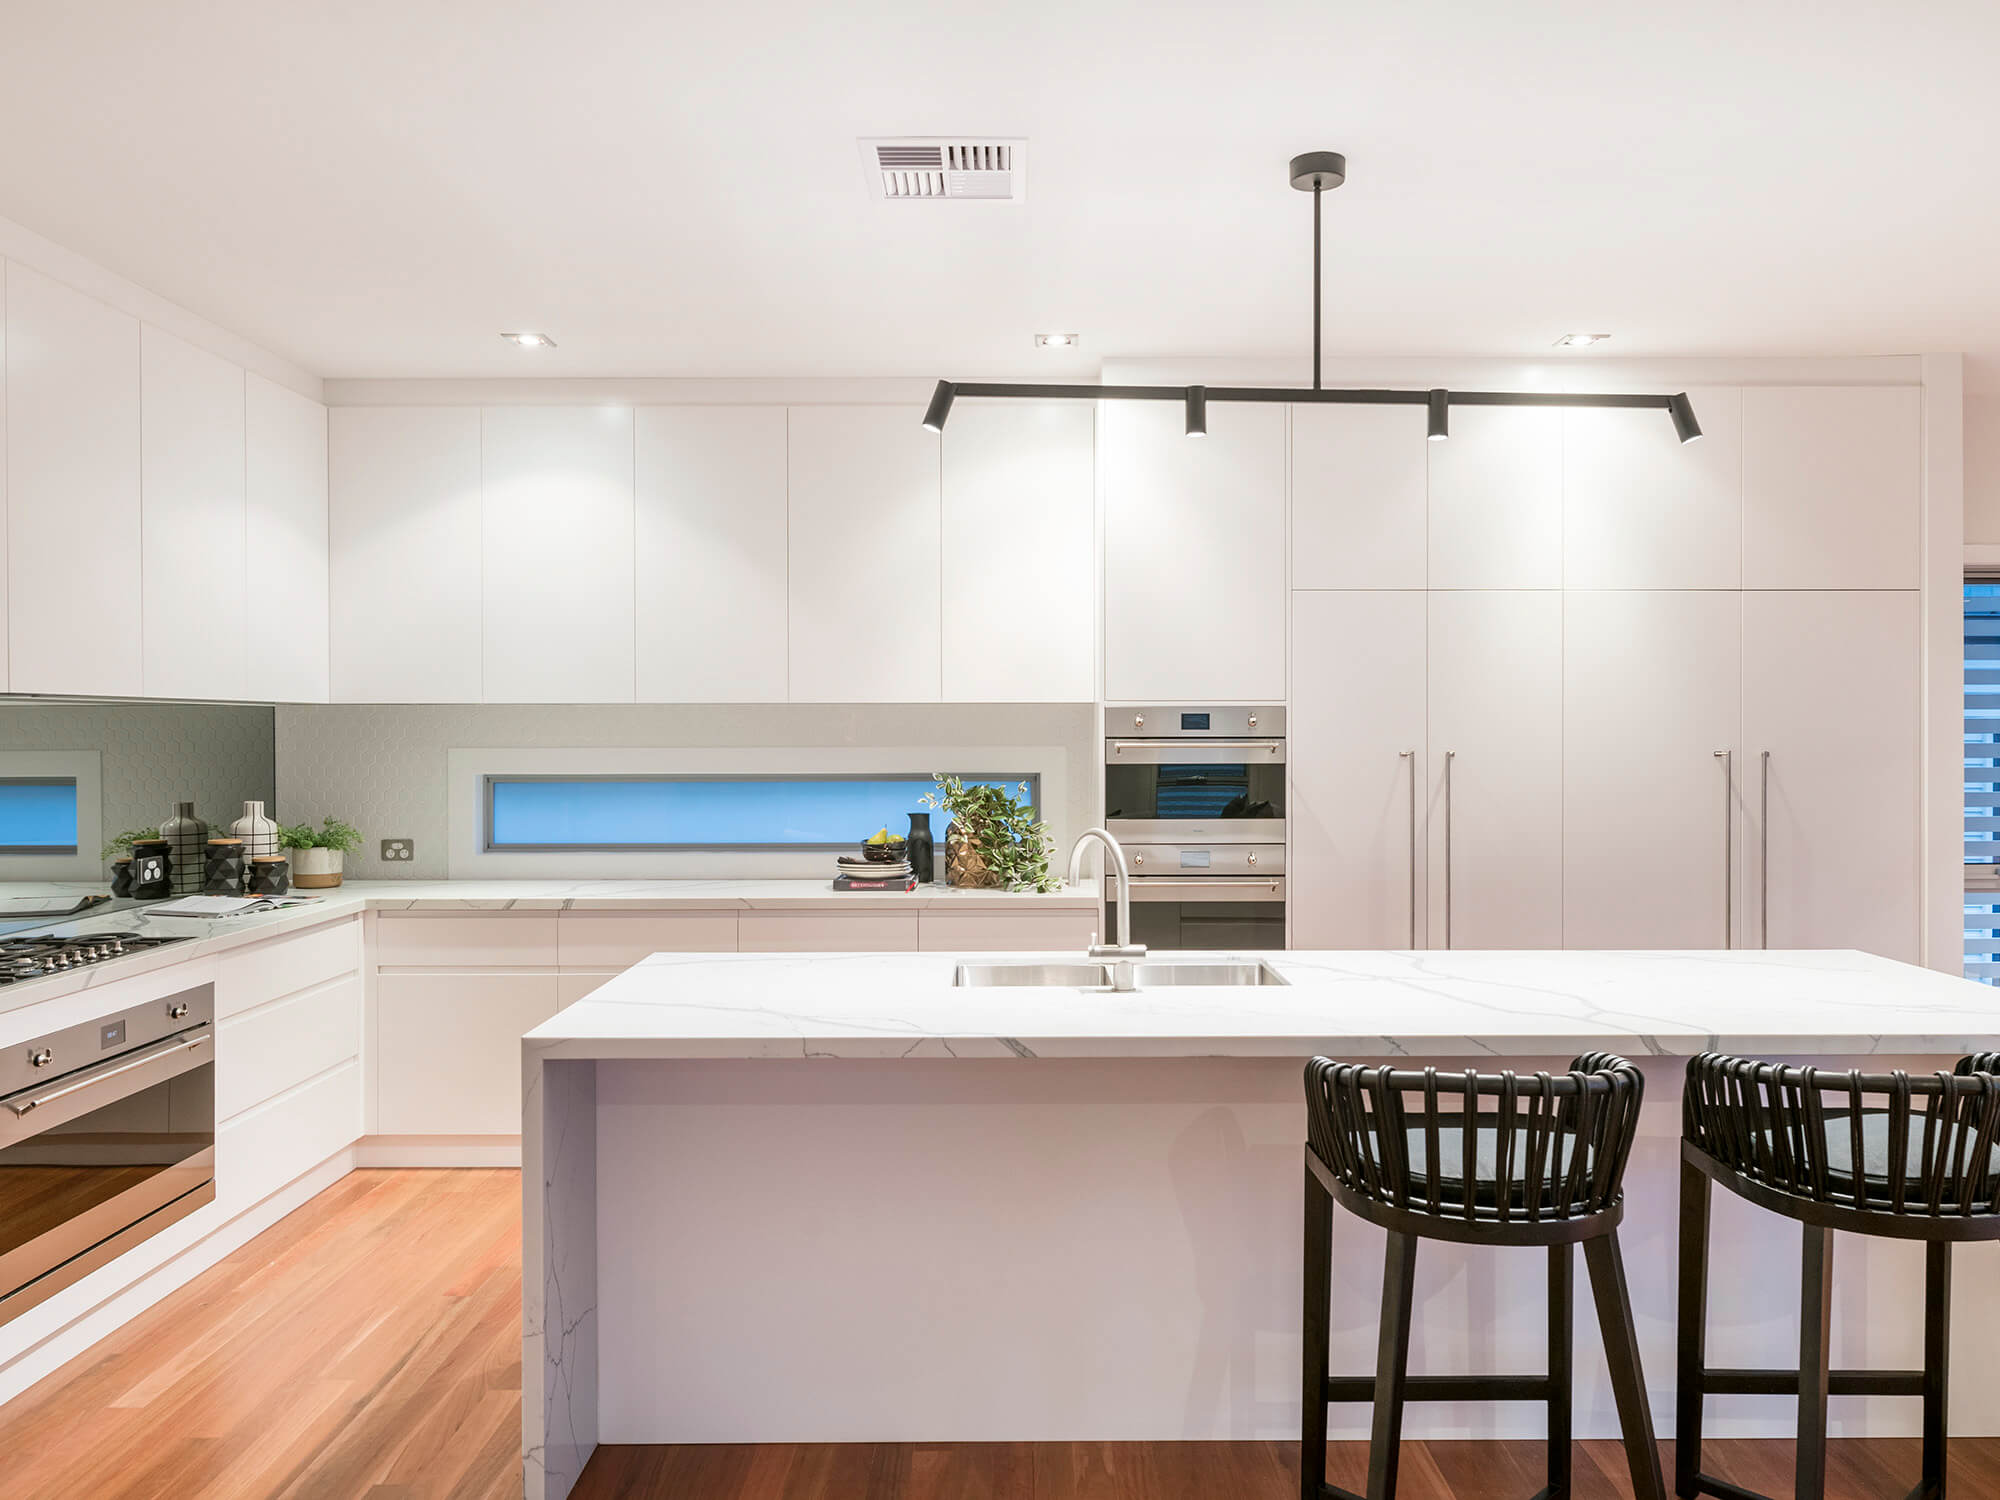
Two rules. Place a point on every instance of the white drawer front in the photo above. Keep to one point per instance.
(826, 932)
(471, 940)
(997, 932)
(251, 976)
(618, 940)
(261, 1053)
(448, 1050)
(260, 1151)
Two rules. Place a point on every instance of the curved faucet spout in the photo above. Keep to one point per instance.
(1113, 866)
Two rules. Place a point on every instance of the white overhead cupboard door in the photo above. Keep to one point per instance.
(1495, 769)
(1830, 783)
(1831, 483)
(192, 532)
(1359, 484)
(285, 539)
(1642, 509)
(1356, 750)
(1652, 690)
(1020, 528)
(866, 533)
(556, 538)
(72, 472)
(403, 524)
(710, 537)
(1194, 553)
(1496, 495)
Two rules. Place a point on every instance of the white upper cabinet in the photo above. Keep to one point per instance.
(1831, 484)
(403, 534)
(556, 528)
(1641, 509)
(73, 567)
(1495, 771)
(1830, 784)
(1020, 526)
(1359, 477)
(1194, 553)
(1355, 744)
(1496, 493)
(285, 540)
(866, 533)
(197, 594)
(710, 535)
(1652, 691)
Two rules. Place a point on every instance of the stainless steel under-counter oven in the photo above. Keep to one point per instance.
(107, 1135)
(1197, 798)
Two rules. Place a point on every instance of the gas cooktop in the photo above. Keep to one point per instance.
(24, 958)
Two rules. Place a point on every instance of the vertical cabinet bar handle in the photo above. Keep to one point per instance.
(1449, 757)
(1411, 757)
(1728, 759)
(1764, 853)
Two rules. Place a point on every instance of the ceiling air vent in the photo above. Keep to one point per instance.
(939, 168)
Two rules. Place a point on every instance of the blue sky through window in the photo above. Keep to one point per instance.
(38, 816)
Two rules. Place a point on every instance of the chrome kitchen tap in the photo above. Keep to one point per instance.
(1124, 950)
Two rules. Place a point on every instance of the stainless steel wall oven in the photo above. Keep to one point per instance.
(107, 1135)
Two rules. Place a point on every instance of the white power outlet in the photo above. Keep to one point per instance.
(398, 851)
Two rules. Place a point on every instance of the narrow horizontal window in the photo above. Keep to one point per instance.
(533, 813)
(38, 815)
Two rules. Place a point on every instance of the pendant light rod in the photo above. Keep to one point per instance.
(1316, 317)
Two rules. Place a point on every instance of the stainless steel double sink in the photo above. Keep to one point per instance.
(1093, 975)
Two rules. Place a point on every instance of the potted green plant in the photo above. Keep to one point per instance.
(994, 839)
(318, 855)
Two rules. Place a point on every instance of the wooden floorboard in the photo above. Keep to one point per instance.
(368, 1347)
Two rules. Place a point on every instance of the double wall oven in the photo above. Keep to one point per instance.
(107, 1135)
(1197, 797)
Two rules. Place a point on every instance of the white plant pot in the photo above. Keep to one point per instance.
(315, 868)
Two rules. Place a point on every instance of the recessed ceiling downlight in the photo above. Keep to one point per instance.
(530, 340)
(1056, 341)
(1580, 340)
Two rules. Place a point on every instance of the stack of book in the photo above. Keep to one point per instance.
(857, 874)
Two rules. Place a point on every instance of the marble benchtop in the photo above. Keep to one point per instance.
(1351, 1004)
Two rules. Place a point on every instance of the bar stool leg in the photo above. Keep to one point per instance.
(1815, 1333)
(1392, 1364)
(1937, 1362)
(1621, 1352)
(1693, 1341)
(1318, 1336)
(1562, 1300)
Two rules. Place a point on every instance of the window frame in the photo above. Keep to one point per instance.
(86, 769)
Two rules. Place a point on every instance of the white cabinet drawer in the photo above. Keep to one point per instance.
(826, 932)
(471, 940)
(1006, 932)
(618, 940)
(448, 1058)
(260, 1151)
(261, 1053)
(251, 976)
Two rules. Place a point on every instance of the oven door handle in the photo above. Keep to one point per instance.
(1193, 752)
(1213, 888)
(89, 1078)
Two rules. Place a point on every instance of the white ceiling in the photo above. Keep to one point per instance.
(378, 187)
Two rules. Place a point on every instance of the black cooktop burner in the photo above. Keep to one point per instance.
(24, 958)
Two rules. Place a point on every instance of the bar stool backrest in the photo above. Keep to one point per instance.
(1526, 1149)
(1801, 1130)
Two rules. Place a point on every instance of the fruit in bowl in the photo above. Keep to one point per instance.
(883, 849)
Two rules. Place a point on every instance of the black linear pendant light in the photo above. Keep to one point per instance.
(1314, 173)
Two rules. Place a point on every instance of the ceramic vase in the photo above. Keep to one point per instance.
(315, 869)
(269, 876)
(187, 842)
(259, 833)
(121, 876)
(923, 849)
(224, 874)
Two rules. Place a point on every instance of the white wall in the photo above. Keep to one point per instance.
(1982, 469)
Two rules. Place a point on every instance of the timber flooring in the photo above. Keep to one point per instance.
(368, 1348)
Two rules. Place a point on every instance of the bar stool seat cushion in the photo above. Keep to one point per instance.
(1486, 1153)
(1876, 1151)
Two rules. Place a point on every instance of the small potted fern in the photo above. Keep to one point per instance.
(318, 855)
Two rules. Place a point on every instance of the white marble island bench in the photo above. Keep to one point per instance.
(832, 1197)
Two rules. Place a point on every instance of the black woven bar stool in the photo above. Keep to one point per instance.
(1788, 1139)
(1479, 1160)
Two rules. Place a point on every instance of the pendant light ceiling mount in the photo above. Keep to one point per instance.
(1312, 172)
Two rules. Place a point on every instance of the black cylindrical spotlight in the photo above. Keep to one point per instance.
(1197, 411)
(1440, 410)
(1682, 411)
(940, 406)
